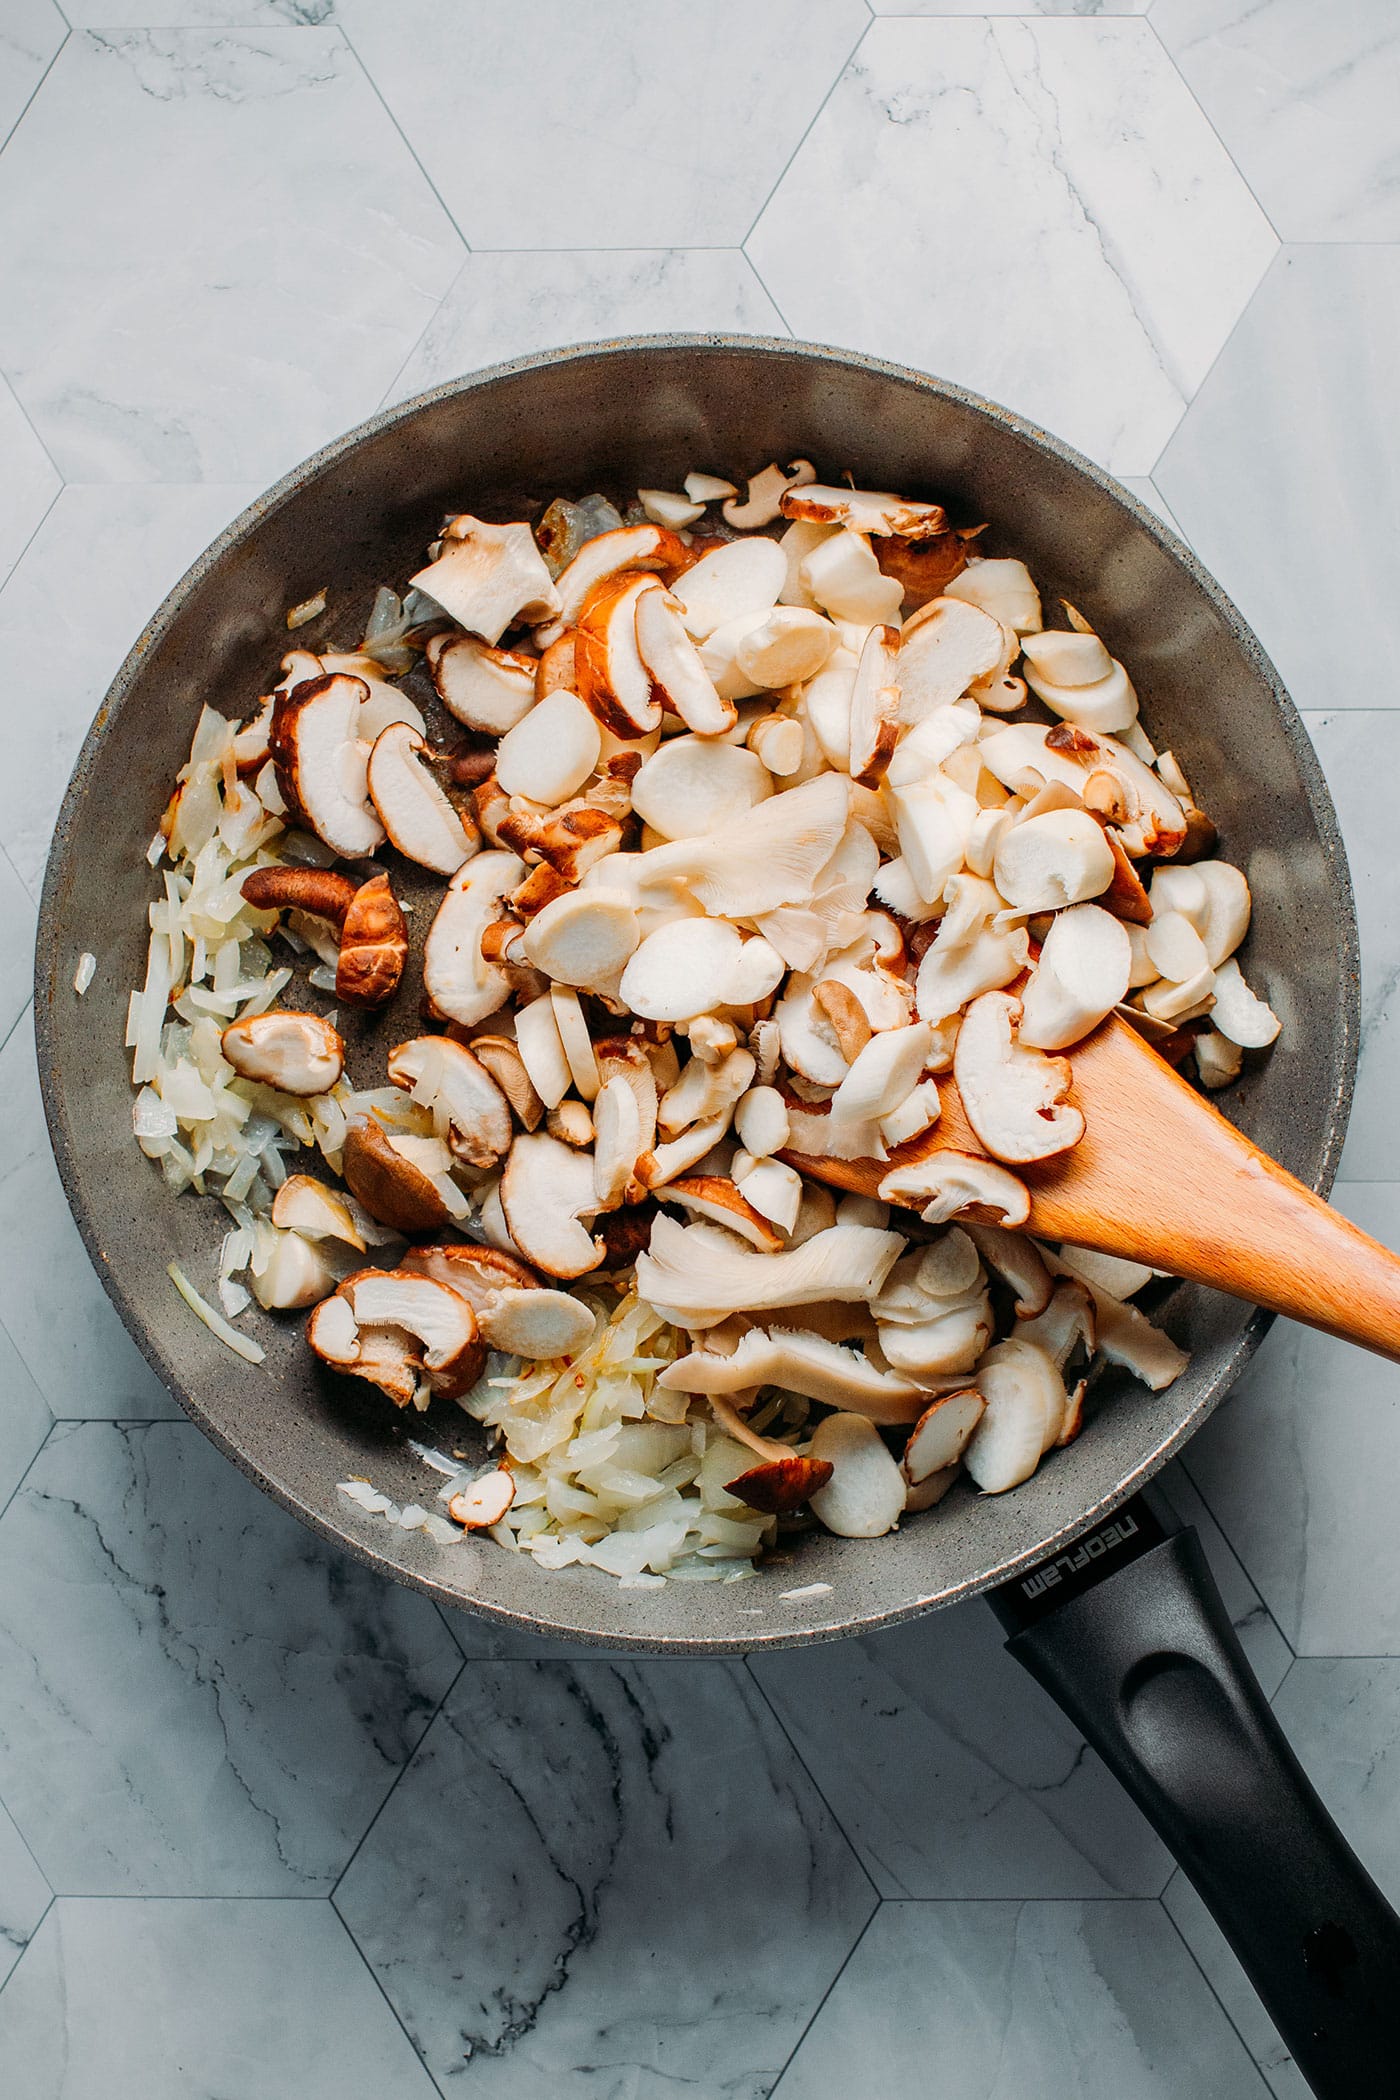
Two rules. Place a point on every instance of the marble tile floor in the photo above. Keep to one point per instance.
(267, 1825)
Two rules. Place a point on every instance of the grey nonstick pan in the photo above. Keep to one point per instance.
(1112, 1611)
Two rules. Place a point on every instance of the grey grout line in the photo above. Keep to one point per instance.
(67, 32)
(812, 1780)
(821, 2006)
(1207, 120)
(374, 1977)
(15, 1490)
(1228, 2015)
(842, 70)
(29, 1942)
(407, 142)
(389, 392)
(397, 1778)
(39, 438)
(14, 567)
(1206, 376)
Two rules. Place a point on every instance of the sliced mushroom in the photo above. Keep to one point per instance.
(373, 946)
(1018, 1262)
(617, 1125)
(761, 1120)
(705, 1089)
(572, 1123)
(827, 701)
(546, 1189)
(631, 548)
(934, 818)
(875, 707)
(1025, 1399)
(1239, 1014)
(488, 577)
(940, 1436)
(1218, 1060)
(865, 510)
(666, 507)
(613, 682)
(484, 688)
(684, 969)
(948, 1183)
(702, 1274)
(712, 1197)
(413, 809)
(541, 1050)
(786, 647)
(1082, 973)
(761, 859)
(949, 978)
(583, 938)
(296, 1053)
(947, 1344)
(321, 764)
(551, 751)
(315, 1212)
(324, 892)
(572, 1025)
(1076, 677)
(659, 1168)
(739, 579)
(1127, 1337)
(885, 1072)
(924, 568)
(485, 1502)
(865, 1496)
(446, 1078)
(782, 1483)
(291, 1274)
(946, 647)
(1059, 858)
(799, 1362)
(694, 783)
(461, 985)
(679, 679)
(842, 576)
(1003, 588)
(1013, 1096)
(404, 1333)
(916, 1113)
(391, 1186)
(773, 1188)
(1064, 1323)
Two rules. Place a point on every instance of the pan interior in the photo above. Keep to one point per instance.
(502, 444)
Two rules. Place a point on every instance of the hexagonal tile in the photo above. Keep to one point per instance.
(1305, 101)
(228, 1697)
(951, 1772)
(1112, 244)
(1285, 469)
(24, 1421)
(1299, 1466)
(24, 1895)
(1009, 7)
(1360, 754)
(72, 608)
(504, 305)
(58, 1315)
(155, 2001)
(28, 479)
(226, 248)
(30, 33)
(610, 1878)
(1100, 2000)
(546, 125)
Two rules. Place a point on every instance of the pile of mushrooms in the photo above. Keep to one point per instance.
(755, 817)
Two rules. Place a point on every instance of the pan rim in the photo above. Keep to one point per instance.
(1345, 1040)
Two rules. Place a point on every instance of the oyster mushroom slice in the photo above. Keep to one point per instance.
(743, 577)
(1013, 1096)
(631, 547)
(672, 662)
(865, 1496)
(446, 1078)
(296, 1053)
(800, 1362)
(460, 984)
(373, 946)
(551, 751)
(947, 646)
(701, 1274)
(760, 859)
(1082, 973)
(948, 1183)
(322, 765)
(716, 1200)
(413, 809)
(1005, 589)
(617, 1126)
(546, 1189)
(488, 577)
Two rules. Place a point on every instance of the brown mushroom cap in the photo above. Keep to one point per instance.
(390, 1187)
(401, 1332)
(781, 1485)
(373, 946)
(323, 892)
(296, 1053)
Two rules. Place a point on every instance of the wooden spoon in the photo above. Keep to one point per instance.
(1160, 1177)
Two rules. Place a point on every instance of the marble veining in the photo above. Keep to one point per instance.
(1304, 98)
(618, 1868)
(24, 1895)
(1111, 251)
(247, 251)
(237, 1696)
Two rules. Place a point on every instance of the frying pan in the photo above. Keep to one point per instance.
(1113, 1611)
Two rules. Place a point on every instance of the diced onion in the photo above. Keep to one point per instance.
(241, 1344)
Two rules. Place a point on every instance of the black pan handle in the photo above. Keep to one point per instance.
(1127, 1632)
